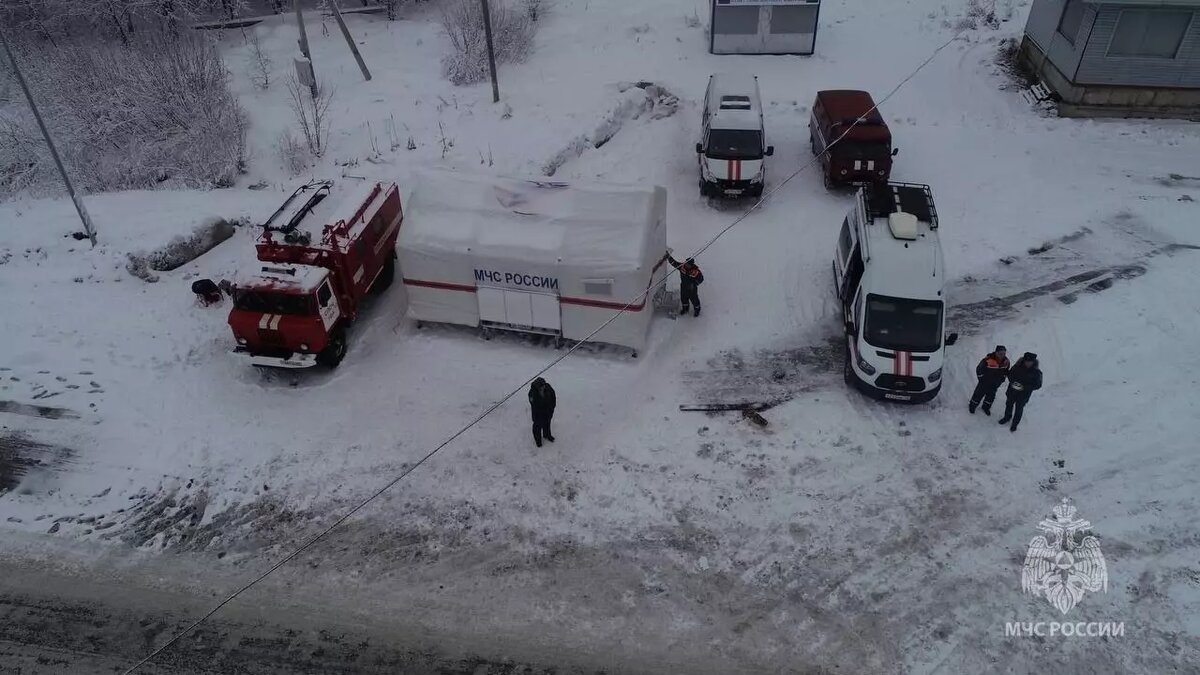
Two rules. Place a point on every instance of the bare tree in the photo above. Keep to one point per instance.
(312, 113)
(260, 61)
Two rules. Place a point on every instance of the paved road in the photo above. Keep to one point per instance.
(51, 622)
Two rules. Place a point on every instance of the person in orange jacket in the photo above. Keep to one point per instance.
(690, 278)
(991, 371)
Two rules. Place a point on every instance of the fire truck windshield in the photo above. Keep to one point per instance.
(268, 302)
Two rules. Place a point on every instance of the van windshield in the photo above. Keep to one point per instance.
(862, 150)
(902, 324)
(267, 302)
(734, 144)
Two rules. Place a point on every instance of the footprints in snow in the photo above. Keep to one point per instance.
(43, 385)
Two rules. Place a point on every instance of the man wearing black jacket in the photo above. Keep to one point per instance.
(991, 371)
(541, 404)
(1024, 379)
(690, 278)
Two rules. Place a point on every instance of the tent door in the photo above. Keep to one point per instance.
(519, 310)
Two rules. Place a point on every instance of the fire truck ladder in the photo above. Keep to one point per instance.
(316, 191)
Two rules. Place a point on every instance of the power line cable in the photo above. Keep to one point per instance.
(492, 408)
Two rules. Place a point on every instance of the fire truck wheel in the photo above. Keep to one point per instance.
(827, 178)
(386, 275)
(335, 351)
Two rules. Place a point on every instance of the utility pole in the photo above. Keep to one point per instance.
(83, 214)
(337, 15)
(309, 75)
(487, 31)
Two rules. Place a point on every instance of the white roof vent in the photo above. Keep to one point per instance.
(903, 225)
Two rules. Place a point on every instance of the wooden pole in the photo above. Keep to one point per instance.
(337, 15)
(487, 31)
(62, 171)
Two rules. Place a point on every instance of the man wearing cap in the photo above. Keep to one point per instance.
(991, 371)
(690, 278)
(541, 404)
(1023, 379)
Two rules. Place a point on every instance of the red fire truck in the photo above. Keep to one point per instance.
(321, 257)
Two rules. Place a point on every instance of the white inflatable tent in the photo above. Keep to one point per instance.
(533, 255)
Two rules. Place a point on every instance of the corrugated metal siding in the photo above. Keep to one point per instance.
(1043, 21)
(1042, 28)
(1097, 68)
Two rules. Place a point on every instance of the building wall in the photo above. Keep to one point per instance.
(1064, 51)
(1100, 100)
(764, 29)
(1098, 67)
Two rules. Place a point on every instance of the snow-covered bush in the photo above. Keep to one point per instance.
(152, 111)
(293, 153)
(512, 38)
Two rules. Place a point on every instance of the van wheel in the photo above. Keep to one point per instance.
(828, 179)
(812, 143)
(386, 276)
(335, 351)
(837, 288)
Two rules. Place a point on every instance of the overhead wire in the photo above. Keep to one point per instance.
(492, 408)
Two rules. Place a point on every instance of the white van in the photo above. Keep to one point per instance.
(732, 141)
(890, 276)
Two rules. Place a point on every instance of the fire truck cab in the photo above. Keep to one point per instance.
(316, 269)
(889, 276)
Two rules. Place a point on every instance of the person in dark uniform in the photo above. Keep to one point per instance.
(1023, 379)
(541, 404)
(991, 371)
(690, 278)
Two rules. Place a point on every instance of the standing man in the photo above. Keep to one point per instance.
(541, 404)
(1024, 379)
(690, 278)
(991, 371)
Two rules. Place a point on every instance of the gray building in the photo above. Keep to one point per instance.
(763, 26)
(1126, 58)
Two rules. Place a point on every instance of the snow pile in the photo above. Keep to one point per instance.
(181, 250)
(633, 101)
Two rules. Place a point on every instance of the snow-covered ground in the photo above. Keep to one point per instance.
(846, 536)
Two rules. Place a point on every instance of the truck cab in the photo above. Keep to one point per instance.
(732, 143)
(319, 257)
(889, 276)
(286, 317)
(864, 152)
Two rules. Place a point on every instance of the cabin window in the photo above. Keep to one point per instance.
(598, 286)
(1149, 33)
(736, 20)
(324, 294)
(1071, 20)
(788, 20)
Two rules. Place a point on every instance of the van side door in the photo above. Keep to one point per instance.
(846, 245)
